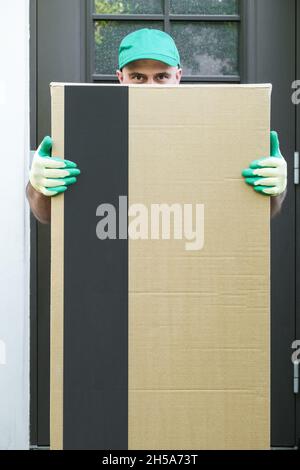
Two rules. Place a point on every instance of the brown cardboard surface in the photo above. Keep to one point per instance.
(199, 320)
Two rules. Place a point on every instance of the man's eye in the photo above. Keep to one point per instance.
(162, 76)
(138, 77)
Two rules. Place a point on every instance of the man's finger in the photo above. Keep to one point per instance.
(54, 191)
(252, 181)
(45, 147)
(56, 162)
(266, 172)
(56, 173)
(263, 189)
(275, 146)
(262, 172)
(271, 162)
(267, 182)
(52, 182)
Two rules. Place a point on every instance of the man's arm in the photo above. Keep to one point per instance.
(48, 177)
(40, 205)
(268, 176)
(276, 204)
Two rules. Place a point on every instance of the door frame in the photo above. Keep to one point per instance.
(297, 195)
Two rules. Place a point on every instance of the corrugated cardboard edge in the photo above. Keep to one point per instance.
(268, 447)
(189, 85)
(57, 280)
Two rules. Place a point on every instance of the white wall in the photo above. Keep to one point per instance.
(14, 232)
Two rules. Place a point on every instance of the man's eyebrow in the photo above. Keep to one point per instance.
(143, 75)
(137, 73)
(163, 73)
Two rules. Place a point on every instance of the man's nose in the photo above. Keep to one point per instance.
(151, 81)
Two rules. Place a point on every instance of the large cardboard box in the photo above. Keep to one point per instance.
(160, 343)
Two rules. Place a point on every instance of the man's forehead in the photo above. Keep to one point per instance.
(148, 65)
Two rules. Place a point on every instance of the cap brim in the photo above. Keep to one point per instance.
(154, 56)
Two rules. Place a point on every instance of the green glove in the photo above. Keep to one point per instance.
(48, 175)
(268, 175)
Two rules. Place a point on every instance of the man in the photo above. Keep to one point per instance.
(146, 56)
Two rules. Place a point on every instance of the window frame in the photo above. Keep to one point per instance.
(166, 18)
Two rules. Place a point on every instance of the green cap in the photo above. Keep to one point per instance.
(148, 44)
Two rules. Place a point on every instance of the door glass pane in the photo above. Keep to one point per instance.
(108, 36)
(205, 7)
(207, 48)
(128, 7)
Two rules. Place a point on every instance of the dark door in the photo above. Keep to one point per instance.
(68, 43)
(271, 57)
(57, 36)
(297, 148)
